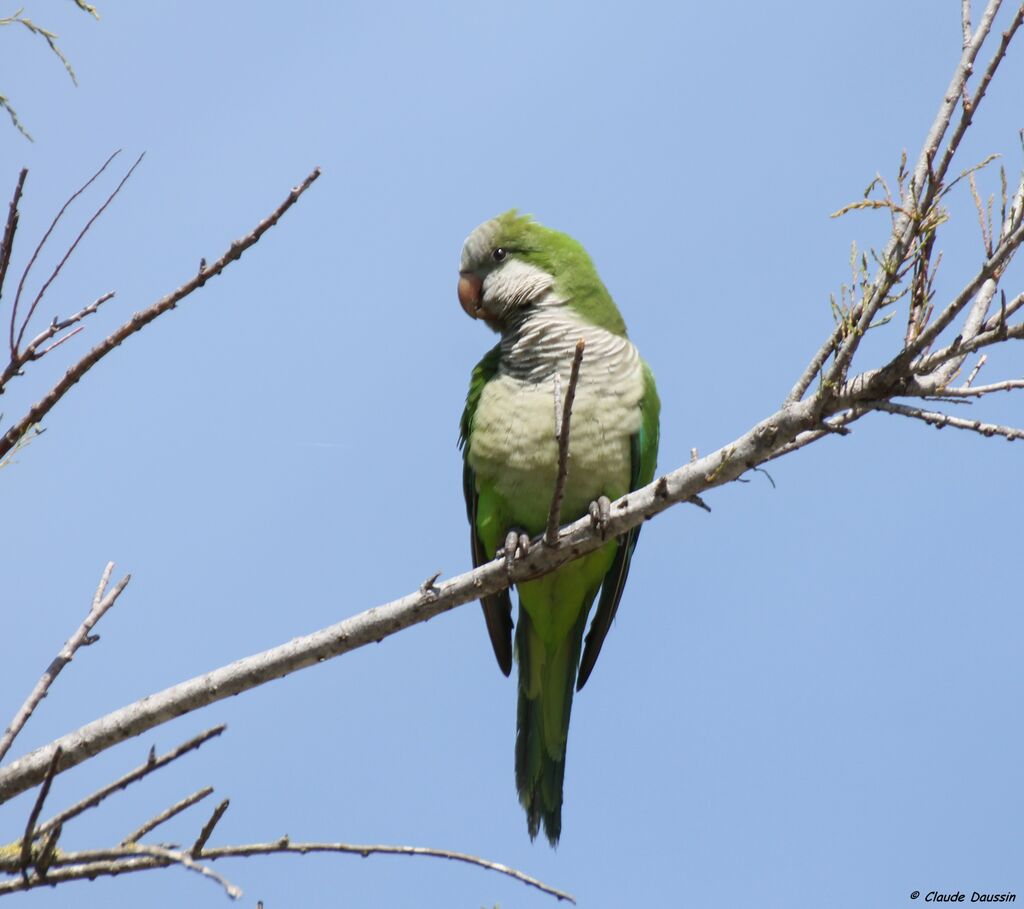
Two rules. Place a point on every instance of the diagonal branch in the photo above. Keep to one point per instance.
(208, 827)
(67, 255)
(938, 420)
(7, 243)
(925, 184)
(100, 605)
(32, 350)
(754, 447)
(31, 831)
(39, 247)
(152, 764)
(139, 832)
(143, 318)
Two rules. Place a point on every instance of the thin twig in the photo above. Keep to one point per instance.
(978, 391)
(1006, 310)
(100, 605)
(286, 846)
(74, 245)
(976, 370)
(562, 437)
(925, 183)
(32, 352)
(166, 815)
(990, 270)
(30, 826)
(969, 109)
(7, 244)
(141, 857)
(152, 764)
(207, 831)
(42, 243)
(938, 420)
(987, 338)
(186, 861)
(143, 318)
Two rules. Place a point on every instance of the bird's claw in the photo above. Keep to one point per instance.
(524, 545)
(517, 546)
(600, 512)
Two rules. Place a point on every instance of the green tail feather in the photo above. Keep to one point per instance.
(547, 680)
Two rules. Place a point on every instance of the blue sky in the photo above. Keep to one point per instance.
(810, 697)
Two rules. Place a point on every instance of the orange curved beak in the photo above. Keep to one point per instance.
(470, 291)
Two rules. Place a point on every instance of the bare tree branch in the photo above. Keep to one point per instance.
(916, 370)
(140, 857)
(166, 815)
(925, 185)
(152, 764)
(100, 605)
(577, 539)
(175, 856)
(33, 818)
(14, 341)
(10, 228)
(208, 827)
(979, 391)
(938, 420)
(143, 318)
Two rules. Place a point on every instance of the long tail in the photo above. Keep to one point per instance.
(547, 677)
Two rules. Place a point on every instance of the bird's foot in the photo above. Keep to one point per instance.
(517, 546)
(600, 511)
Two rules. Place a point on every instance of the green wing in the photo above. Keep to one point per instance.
(497, 607)
(644, 447)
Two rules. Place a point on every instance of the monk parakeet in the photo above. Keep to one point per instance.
(540, 291)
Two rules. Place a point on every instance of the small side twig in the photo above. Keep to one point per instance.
(39, 248)
(979, 391)
(975, 371)
(175, 856)
(939, 420)
(100, 605)
(11, 227)
(30, 827)
(207, 831)
(166, 815)
(562, 435)
(152, 764)
(32, 350)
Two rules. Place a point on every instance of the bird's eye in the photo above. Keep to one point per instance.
(499, 254)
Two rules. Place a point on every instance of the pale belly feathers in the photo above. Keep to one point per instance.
(514, 447)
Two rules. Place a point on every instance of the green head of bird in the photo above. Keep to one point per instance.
(511, 265)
